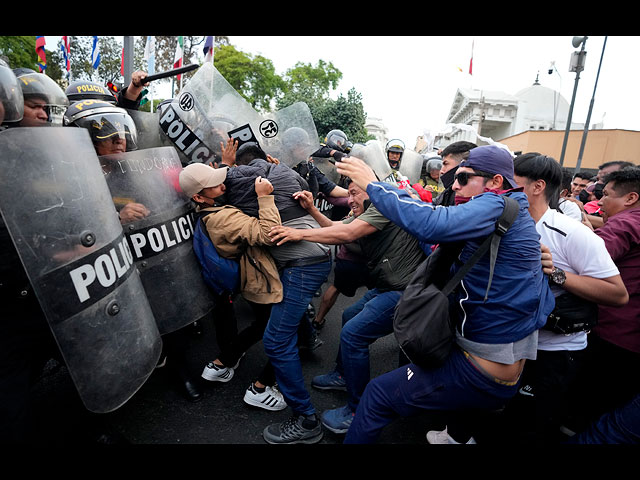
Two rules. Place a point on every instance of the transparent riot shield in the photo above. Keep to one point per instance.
(373, 155)
(290, 134)
(209, 110)
(158, 223)
(58, 210)
(411, 165)
(201, 117)
(148, 130)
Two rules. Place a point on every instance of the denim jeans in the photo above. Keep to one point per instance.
(281, 335)
(362, 324)
(410, 389)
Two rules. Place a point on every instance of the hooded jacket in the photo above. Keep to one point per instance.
(241, 193)
(241, 237)
(519, 300)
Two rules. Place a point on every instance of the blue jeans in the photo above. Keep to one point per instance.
(281, 335)
(621, 426)
(410, 389)
(362, 324)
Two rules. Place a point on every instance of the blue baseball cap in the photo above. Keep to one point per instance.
(491, 159)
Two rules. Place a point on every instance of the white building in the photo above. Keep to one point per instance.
(376, 127)
(499, 115)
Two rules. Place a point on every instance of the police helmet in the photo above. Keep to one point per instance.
(104, 121)
(85, 90)
(337, 140)
(38, 86)
(11, 98)
(395, 145)
(432, 163)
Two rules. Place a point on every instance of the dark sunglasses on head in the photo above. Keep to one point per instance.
(463, 177)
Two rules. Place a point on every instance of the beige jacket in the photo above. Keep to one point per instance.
(242, 237)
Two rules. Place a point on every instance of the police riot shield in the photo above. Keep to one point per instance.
(209, 111)
(201, 117)
(158, 224)
(373, 155)
(411, 165)
(58, 210)
(327, 168)
(290, 134)
(148, 130)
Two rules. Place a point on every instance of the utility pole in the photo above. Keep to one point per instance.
(127, 60)
(586, 125)
(577, 65)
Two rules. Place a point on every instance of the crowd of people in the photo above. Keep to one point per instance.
(545, 352)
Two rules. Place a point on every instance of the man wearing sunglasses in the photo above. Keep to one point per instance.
(496, 330)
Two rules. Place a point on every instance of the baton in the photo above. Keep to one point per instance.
(169, 73)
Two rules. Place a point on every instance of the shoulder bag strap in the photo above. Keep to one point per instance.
(492, 241)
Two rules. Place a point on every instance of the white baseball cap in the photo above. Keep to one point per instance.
(196, 176)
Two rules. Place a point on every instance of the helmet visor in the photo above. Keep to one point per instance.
(11, 99)
(111, 132)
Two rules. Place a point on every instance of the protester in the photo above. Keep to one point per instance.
(583, 271)
(241, 237)
(615, 340)
(494, 337)
(392, 255)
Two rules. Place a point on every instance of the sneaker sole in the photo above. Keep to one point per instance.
(339, 431)
(309, 440)
(215, 378)
(331, 387)
(254, 403)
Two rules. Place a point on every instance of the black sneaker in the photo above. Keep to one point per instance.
(298, 429)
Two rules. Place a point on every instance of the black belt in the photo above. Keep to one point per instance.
(301, 262)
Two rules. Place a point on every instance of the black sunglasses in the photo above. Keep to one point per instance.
(463, 177)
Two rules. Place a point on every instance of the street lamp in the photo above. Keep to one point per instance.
(586, 125)
(576, 65)
(556, 96)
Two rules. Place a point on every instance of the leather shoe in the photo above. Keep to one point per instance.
(192, 391)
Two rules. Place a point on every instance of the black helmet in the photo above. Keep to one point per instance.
(337, 140)
(104, 121)
(85, 89)
(39, 86)
(11, 98)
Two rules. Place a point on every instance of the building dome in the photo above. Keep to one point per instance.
(541, 108)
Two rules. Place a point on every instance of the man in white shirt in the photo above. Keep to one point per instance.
(583, 267)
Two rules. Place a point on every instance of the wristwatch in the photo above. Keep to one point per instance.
(558, 276)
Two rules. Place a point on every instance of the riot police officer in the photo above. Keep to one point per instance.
(44, 100)
(113, 131)
(394, 150)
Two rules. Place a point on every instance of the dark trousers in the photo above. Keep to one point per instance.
(535, 414)
(232, 343)
(608, 381)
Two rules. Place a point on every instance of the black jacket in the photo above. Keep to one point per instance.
(240, 191)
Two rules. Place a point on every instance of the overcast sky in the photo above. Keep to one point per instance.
(409, 82)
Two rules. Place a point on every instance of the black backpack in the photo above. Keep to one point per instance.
(421, 323)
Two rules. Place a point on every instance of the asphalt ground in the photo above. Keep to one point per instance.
(159, 413)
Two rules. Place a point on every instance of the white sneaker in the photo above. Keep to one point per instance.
(270, 399)
(435, 437)
(215, 373)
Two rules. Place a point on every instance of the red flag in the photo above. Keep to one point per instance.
(42, 64)
(122, 63)
(471, 61)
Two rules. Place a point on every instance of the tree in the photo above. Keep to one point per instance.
(253, 77)
(312, 85)
(19, 52)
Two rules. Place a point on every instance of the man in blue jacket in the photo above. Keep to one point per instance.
(494, 337)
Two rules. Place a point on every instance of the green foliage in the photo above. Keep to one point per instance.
(254, 77)
(19, 52)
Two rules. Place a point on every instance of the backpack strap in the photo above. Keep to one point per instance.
(492, 242)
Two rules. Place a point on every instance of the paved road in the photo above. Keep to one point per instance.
(159, 414)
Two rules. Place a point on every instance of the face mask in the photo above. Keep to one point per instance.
(447, 178)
